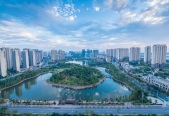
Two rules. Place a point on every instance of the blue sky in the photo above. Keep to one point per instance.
(77, 24)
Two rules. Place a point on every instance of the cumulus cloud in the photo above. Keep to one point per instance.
(153, 13)
(97, 8)
(68, 25)
(65, 12)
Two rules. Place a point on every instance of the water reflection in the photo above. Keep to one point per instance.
(5, 94)
(33, 82)
(27, 85)
(84, 63)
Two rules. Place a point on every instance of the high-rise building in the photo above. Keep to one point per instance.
(57, 55)
(8, 57)
(113, 53)
(121, 53)
(83, 53)
(53, 55)
(25, 59)
(88, 54)
(108, 55)
(19, 52)
(147, 54)
(3, 66)
(38, 56)
(32, 58)
(95, 53)
(134, 54)
(16, 60)
(60, 55)
(159, 56)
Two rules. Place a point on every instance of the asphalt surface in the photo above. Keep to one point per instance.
(157, 110)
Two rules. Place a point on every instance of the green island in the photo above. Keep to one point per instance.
(76, 76)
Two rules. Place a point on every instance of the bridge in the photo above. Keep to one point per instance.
(108, 76)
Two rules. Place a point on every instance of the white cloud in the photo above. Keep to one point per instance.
(71, 18)
(112, 39)
(8, 23)
(150, 16)
(115, 4)
(153, 3)
(66, 12)
(97, 8)
(22, 36)
(28, 35)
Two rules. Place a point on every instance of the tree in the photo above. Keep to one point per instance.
(54, 103)
(3, 110)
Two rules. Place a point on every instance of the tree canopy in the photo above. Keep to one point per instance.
(77, 75)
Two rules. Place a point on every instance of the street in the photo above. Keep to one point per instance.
(158, 110)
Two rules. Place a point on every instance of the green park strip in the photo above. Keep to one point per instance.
(13, 81)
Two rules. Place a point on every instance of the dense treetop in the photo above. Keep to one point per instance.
(76, 75)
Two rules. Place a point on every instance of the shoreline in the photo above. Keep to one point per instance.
(21, 82)
(123, 83)
(76, 87)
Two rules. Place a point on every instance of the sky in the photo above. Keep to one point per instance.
(78, 24)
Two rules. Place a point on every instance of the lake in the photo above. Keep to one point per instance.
(38, 89)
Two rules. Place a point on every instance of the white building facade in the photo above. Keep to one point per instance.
(25, 59)
(147, 55)
(122, 53)
(3, 65)
(32, 58)
(159, 56)
(134, 54)
(16, 60)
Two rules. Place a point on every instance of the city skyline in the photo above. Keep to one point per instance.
(75, 25)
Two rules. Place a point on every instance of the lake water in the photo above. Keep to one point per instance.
(38, 89)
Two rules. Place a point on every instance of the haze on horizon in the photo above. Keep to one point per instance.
(78, 24)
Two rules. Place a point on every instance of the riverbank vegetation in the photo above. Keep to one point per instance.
(26, 75)
(76, 75)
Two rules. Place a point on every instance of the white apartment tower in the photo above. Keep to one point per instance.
(53, 55)
(60, 55)
(25, 59)
(108, 55)
(32, 58)
(57, 55)
(121, 53)
(134, 54)
(38, 56)
(159, 56)
(147, 55)
(16, 60)
(8, 57)
(3, 66)
(114, 53)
